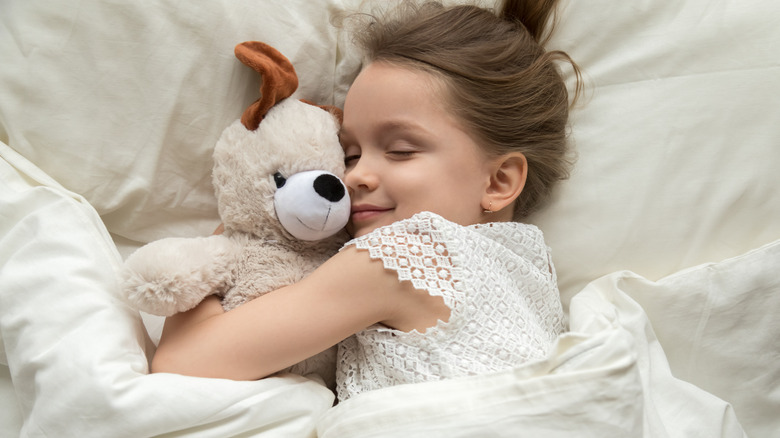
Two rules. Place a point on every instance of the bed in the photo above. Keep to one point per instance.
(666, 238)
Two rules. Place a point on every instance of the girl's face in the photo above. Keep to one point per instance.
(405, 153)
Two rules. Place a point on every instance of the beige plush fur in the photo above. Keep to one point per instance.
(255, 254)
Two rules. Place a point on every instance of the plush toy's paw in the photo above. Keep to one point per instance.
(173, 275)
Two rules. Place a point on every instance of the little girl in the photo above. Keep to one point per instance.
(454, 129)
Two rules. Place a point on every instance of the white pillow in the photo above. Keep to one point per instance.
(123, 102)
(676, 139)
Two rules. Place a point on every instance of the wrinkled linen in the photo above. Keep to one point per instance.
(122, 102)
(74, 357)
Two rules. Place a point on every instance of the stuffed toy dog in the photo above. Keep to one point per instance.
(283, 205)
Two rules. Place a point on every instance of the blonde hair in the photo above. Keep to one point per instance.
(498, 79)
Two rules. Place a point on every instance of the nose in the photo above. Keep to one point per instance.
(329, 187)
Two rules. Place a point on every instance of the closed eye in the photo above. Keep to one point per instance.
(351, 159)
(351, 153)
(401, 154)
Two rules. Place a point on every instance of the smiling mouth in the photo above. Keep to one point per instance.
(368, 213)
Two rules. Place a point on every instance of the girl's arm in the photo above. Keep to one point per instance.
(343, 296)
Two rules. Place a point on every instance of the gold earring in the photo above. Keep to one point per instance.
(489, 209)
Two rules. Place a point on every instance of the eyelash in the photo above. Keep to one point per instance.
(398, 153)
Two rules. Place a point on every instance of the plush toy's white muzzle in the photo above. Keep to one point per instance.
(312, 205)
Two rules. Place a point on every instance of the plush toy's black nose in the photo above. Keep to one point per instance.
(329, 187)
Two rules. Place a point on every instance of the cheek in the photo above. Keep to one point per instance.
(462, 189)
(447, 192)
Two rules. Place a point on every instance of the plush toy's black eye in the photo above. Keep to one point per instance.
(279, 180)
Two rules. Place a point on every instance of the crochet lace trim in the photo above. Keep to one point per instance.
(499, 283)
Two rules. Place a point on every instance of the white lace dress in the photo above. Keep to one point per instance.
(499, 283)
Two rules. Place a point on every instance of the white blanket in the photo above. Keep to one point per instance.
(608, 377)
(75, 352)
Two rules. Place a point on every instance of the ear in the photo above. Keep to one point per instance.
(506, 181)
(279, 79)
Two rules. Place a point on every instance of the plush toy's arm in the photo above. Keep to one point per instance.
(173, 275)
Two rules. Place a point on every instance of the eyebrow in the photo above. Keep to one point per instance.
(395, 125)
(403, 125)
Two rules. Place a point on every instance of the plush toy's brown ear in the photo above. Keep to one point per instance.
(336, 111)
(279, 79)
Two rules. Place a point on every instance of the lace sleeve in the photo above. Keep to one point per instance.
(419, 249)
(495, 278)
